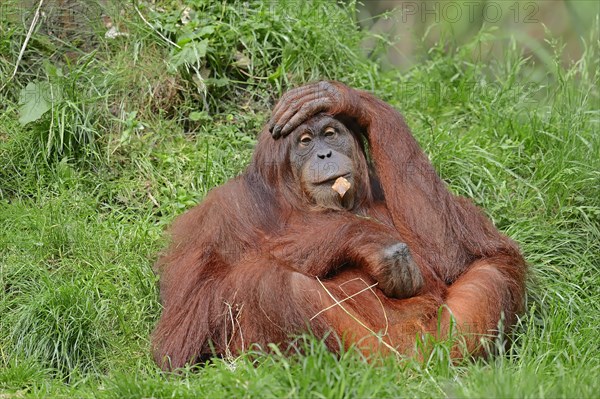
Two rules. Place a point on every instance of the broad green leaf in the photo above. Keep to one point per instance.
(191, 54)
(217, 82)
(199, 116)
(34, 102)
(207, 30)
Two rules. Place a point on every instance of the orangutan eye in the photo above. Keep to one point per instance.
(305, 138)
(329, 132)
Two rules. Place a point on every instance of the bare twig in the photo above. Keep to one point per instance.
(387, 322)
(36, 16)
(166, 39)
(368, 288)
(339, 303)
(201, 86)
(235, 321)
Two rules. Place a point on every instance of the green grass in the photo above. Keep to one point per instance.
(136, 137)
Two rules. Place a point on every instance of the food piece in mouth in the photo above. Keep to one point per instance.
(341, 186)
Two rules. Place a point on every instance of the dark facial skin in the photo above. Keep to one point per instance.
(322, 150)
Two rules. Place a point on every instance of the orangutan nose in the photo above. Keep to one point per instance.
(324, 155)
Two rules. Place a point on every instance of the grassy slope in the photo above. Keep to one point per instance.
(80, 226)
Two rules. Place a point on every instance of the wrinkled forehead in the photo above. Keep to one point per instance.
(317, 123)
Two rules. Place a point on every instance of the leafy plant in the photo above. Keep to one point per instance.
(229, 48)
(62, 110)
